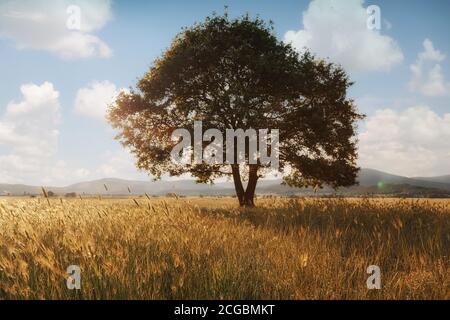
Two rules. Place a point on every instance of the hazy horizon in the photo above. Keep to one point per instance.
(187, 178)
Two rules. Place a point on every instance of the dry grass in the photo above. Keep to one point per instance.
(210, 249)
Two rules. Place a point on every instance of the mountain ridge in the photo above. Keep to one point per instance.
(370, 180)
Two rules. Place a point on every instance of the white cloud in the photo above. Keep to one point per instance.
(29, 134)
(30, 125)
(42, 25)
(426, 75)
(29, 129)
(58, 173)
(93, 100)
(337, 30)
(120, 163)
(414, 142)
(29, 138)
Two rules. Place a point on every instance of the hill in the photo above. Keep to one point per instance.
(370, 182)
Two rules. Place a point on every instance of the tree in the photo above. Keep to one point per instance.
(234, 73)
(71, 195)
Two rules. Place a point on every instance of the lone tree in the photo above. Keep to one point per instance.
(235, 74)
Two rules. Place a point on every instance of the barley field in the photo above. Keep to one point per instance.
(208, 248)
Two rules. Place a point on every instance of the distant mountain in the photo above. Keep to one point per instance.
(370, 182)
(18, 189)
(371, 177)
(440, 179)
(113, 186)
(397, 190)
(122, 187)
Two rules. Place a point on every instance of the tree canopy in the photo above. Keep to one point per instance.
(235, 73)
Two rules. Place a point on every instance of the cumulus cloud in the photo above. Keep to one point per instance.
(30, 125)
(43, 25)
(93, 100)
(29, 128)
(338, 30)
(29, 138)
(426, 74)
(119, 163)
(414, 142)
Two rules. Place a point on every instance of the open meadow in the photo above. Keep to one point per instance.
(209, 248)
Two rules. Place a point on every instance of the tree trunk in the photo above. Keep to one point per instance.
(246, 198)
(249, 197)
(238, 183)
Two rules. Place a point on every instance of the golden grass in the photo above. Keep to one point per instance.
(209, 249)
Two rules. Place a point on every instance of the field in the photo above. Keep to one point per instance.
(208, 248)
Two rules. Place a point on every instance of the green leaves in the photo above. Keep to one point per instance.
(234, 73)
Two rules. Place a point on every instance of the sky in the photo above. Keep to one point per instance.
(58, 74)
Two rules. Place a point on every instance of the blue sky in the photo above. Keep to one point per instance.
(401, 74)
